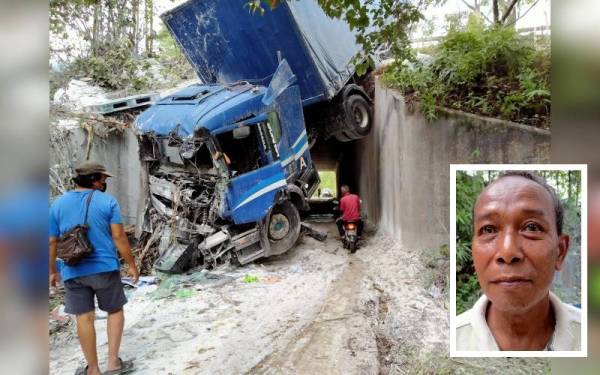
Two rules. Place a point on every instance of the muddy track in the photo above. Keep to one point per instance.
(334, 339)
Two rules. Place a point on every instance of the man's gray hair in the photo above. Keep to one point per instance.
(558, 207)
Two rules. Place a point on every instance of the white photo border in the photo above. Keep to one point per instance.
(584, 300)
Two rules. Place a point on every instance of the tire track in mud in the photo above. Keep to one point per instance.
(338, 341)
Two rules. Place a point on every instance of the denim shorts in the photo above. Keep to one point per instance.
(106, 286)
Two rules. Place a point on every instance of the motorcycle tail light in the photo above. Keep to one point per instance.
(351, 226)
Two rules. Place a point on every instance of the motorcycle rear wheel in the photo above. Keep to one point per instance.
(352, 246)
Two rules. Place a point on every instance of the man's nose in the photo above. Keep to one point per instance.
(509, 250)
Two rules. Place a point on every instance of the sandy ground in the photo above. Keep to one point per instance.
(315, 310)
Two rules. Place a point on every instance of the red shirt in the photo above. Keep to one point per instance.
(350, 207)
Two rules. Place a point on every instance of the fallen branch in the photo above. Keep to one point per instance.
(95, 118)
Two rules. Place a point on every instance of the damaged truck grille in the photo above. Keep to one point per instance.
(184, 210)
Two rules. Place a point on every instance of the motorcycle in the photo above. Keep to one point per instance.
(350, 239)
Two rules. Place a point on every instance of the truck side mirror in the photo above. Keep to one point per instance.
(241, 133)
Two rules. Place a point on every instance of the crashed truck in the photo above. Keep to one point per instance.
(227, 162)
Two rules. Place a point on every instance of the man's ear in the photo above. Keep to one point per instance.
(563, 247)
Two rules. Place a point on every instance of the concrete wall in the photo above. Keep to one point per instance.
(403, 165)
(118, 152)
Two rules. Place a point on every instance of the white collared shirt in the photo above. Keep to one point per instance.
(473, 333)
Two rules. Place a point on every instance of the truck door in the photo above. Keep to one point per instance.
(251, 195)
(255, 172)
(283, 96)
(257, 164)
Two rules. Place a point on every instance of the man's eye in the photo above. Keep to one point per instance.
(532, 227)
(487, 229)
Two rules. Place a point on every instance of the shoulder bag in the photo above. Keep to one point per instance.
(75, 245)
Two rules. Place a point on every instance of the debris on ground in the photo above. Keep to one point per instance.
(143, 281)
(271, 279)
(184, 293)
(313, 232)
(315, 307)
(250, 279)
(79, 94)
(170, 285)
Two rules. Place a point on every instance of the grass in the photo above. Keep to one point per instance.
(328, 181)
(437, 264)
(490, 71)
(438, 361)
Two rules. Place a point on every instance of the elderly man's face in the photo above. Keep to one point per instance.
(516, 247)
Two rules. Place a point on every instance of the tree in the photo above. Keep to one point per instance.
(503, 11)
(148, 20)
(133, 36)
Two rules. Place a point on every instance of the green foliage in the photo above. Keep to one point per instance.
(467, 189)
(174, 64)
(248, 279)
(436, 263)
(114, 67)
(491, 71)
(63, 12)
(328, 181)
(467, 292)
(101, 39)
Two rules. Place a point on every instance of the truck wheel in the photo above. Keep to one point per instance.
(283, 227)
(359, 118)
(341, 137)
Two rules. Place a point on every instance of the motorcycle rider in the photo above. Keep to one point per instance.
(350, 211)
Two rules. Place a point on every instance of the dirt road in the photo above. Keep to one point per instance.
(314, 310)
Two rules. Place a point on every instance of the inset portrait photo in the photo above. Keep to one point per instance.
(518, 260)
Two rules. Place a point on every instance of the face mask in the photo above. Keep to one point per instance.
(103, 187)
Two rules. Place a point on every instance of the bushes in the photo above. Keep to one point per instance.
(467, 288)
(174, 65)
(113, 67)
(490, 71)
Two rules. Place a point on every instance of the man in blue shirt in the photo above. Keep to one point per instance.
(98, 273)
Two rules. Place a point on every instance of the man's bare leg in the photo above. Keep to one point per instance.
(87, 339)
(114, 327)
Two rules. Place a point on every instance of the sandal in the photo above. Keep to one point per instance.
(126, 367)
(81, 370)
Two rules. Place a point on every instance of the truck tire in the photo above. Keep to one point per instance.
(341, 137)
(283, 227)
(359, 117)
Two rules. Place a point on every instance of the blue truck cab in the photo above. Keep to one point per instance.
(228, 169)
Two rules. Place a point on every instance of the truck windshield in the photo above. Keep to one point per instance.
(242, 155)
(192, 151)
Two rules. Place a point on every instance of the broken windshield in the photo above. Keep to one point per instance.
(282, 79)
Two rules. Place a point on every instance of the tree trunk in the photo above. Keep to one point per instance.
(97, 27)
(570, 189)
(496, 12)
(110, 22)
(148, 20)
(135, 8)
(509, 16)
